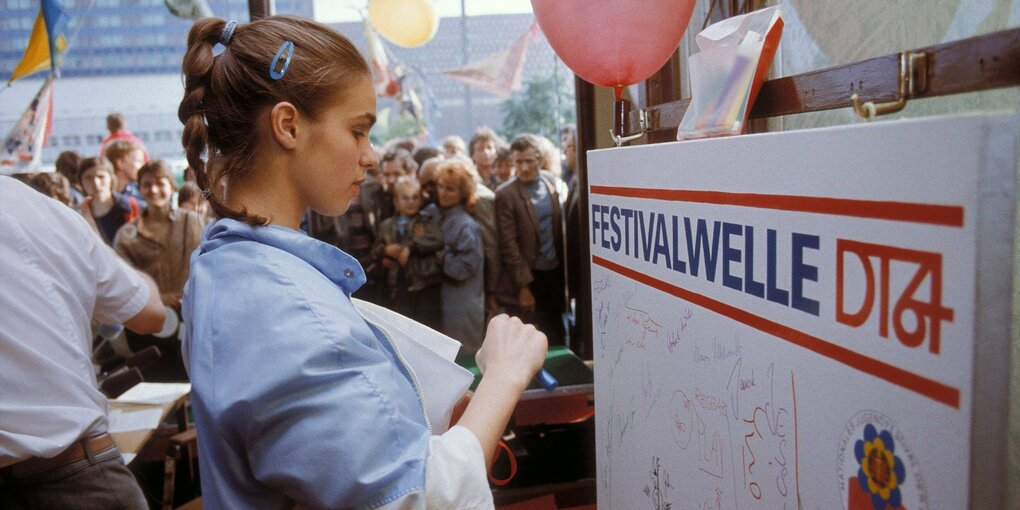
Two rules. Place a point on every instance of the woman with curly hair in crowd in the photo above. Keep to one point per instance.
(463, 289)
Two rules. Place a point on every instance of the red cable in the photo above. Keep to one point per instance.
(513, 464)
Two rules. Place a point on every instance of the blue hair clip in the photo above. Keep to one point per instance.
(227, 33)
(287, 46)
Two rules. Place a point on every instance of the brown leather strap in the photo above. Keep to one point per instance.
(86, 448)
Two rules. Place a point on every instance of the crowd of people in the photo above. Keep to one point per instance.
(450, 236)
(456, 234)
(130, 201)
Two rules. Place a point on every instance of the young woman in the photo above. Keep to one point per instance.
(299, 401)
(108, 208)
(463, 289)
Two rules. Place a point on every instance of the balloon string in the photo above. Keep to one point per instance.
(618, 89)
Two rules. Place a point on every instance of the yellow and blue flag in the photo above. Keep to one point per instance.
(47, 43)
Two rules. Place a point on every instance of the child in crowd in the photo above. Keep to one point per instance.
(395, 164)
(126, 158)
(108, 208)
(297, 399)
(463, 288)
(407, 246)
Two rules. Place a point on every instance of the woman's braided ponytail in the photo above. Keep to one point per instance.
(225, 94)
(198, 69)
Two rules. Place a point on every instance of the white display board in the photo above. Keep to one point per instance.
(813, 319)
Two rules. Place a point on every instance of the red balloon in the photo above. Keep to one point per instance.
(613, 43)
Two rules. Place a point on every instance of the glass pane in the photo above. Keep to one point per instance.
(449, 107)
(136, 46)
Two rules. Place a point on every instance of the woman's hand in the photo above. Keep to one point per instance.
(511, 355)
(512, 351)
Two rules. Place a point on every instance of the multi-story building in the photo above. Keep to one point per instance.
(125, 56)
(112, 37)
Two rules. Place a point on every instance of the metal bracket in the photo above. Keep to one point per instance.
(912, 80)
(643, 124)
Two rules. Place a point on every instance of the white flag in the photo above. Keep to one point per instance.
(22, 149)
(385, 78)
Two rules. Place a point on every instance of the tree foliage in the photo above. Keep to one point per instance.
(545, 105)
(393, 123)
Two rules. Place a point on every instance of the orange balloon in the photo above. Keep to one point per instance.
(613, 43)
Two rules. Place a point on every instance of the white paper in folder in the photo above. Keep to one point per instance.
(431, 354)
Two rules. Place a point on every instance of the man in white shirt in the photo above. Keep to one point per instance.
(57, 275)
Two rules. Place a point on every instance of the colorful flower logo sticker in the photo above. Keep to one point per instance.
(881, 471)
(877, 471)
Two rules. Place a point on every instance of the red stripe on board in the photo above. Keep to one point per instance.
(895, 375)
(932, 214)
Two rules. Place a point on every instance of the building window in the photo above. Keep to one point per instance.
(111, 20)
(111, 40)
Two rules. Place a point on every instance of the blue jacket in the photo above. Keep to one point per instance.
(296, 398)
(463, 289)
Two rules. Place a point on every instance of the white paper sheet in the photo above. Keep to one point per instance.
(122, 420)
(430, 338)
(155, 393)
(430, 355)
